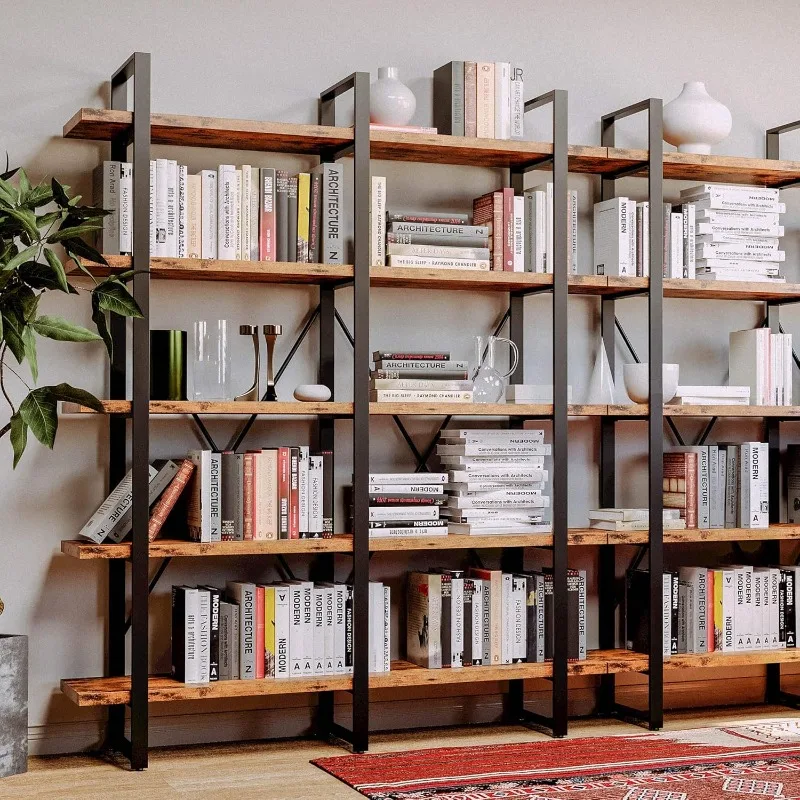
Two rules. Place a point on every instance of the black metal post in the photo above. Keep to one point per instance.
(137, 68)
(359, 83)
(655, 420)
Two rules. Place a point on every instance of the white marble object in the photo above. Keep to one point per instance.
(312, 393)
(694, 120)
(391, 102)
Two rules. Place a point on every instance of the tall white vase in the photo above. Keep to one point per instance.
(694, 120)
(601, 385)
(391, 102)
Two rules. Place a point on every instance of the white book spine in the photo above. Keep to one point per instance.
(507, 636)
(519, 605)
(308, 628)
(775, 642)
(302, 489)
(502, 100)
(107, 196)
(192, 634)
(318, 625)
(125, 208)
(338, 628)
(715, 493)
(375, 627)
(194, 212)
(153, 184)
(788, 369)
(519, 234)
(387, 629)
(226, 210)
(208, 214)
(676, 246)
(434, 262)
(612, 238)
(758, 609)
(172, 208)
(549, 228)
(734, 190)
(573, 229)
(690, 259)
(540, 238)
(296, 637)
(283, 626)
(329, 630)
(214, 495)
(631, 215)
(204, 635)
(245, 205)
(729, 604)
(517, 103)
(476, 645)
(457, 622)
(237, 213)
(377, 222)
(182, 238)
(759, 485)
(162, 182)
(315, 470)
(379, 478)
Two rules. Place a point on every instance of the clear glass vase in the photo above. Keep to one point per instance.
(211, 360)
(489, 383)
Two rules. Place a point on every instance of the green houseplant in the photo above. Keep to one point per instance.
(34, 221)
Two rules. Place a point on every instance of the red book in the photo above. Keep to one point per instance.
(284, 484)
(266, 205)
(294, 493)
(508, 230)
(259, 632)
(248, 497)
(168, 499)
(488, 210)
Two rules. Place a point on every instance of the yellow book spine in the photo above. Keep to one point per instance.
(303, 215)
(719, 619)
(270, 653)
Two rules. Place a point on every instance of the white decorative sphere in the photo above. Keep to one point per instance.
(391, 102)
(694, 120)
(637, 381)
(312, 393)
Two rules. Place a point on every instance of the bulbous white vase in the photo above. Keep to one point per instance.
(391, 102)
(694, 120)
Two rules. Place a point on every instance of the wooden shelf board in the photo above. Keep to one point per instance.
(180, 548)
(640, 410)
(578, 536)
(194, 131)
(276, 408)
(628, 661)
(212, 269)
(774, 532)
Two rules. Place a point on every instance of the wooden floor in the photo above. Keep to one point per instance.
(281, 770)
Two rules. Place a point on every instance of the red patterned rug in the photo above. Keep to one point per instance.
(755, 760)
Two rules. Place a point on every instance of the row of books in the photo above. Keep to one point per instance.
(727, 609)
(509, 232)
(293, 629)
(424, 377)
(406, 504)
(267, 494)
(231, 213)
(716, 232)
(763, 362)
(479, 99)
(719, 486)
(496, 480)
(486, 617)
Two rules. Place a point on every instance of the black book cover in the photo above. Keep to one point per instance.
(448, 99)
(447, 620)
(348, 626)
(673, 645)
(291, 218)
(228, 489)
(407, 523)
(637, 610)
(407, 500)
(573, 614)
(327, 493)
(791, 610)
(179, 633)
(213, 628)
(469, 593)
(549, 617)
(530, 618)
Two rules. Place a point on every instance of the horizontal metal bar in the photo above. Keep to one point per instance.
(125, 72)
(534, 720)
(537, 163)
(532, 290)
(541, 100)
(787, 699)
(628, 111)
(338, 731)
(344, 85)
(625, 172)
(335, 153)
(789, 126)
(629, 711)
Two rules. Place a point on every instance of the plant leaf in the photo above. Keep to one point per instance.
(88, 212)
(73, 231)
(58, 269)
(39, 196)
(59, 194)
(12, 333)
(19, 436)
(46, 220)
(70, 394)
(77, 247)
(8, 192)
(27, 254)
(114, 297)
(38, 411)
(62, 330)
(29, 341)
(24, 184)
(27, 219)
(101, 322)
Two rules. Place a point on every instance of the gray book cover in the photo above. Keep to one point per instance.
(255, 208)
(232, 523)
(315, 223)
(244, 595)
(282, 215)
(448, 99)
(331, 230)
(225, 622)
(291, 219)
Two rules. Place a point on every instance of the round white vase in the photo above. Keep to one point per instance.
(391, 102)
(694, 120)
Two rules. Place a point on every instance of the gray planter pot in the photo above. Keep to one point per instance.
(13, 705)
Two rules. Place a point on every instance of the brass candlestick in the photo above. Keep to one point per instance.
(271, 333)
(252, 393)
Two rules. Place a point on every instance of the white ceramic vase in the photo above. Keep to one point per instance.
(391, 102)
(694, 120)
(601, 384)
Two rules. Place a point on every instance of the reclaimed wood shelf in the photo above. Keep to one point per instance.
(194, 131)
(181, 548)
(628, 661)
(640, 410)
(579, 536)
(772, 533)
(222, 407)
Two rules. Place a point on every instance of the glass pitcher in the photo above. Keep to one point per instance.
(488, 382)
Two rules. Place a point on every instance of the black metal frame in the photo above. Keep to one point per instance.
(609, 326)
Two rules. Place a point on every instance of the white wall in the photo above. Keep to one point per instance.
(269, 60)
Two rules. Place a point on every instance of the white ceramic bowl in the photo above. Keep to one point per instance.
(637, 381)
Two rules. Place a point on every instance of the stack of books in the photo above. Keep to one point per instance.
(230, 213)
(293, 629)
(728, 609)
(479, 99)
(426, 377)
(738, 232)
(406, 504)
(712, 395)
(719, 486)
(487, 617)
(762, 361)
(496, 481)
(632, 519)
(273, 493)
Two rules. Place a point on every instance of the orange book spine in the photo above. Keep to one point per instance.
(167, 501)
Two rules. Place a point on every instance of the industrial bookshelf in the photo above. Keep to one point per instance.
(123, 129)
